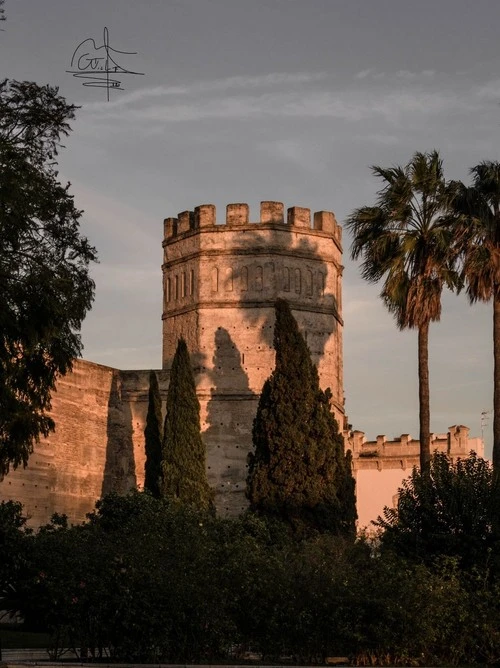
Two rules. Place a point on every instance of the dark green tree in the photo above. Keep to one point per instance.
(13, 538)
(406, 240)
(44, 262)
(449, 512)
(153, 434)
(184, 476)
(298, 471)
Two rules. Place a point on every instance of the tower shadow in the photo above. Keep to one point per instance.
(228, 436)
(119, 470)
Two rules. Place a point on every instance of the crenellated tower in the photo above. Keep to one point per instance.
(220, 282)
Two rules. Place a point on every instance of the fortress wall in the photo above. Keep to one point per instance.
(220, 282)
(65, 472)
(98, 445)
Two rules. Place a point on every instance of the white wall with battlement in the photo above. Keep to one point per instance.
(381, 465)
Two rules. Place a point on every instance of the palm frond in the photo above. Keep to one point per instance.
(408, 239)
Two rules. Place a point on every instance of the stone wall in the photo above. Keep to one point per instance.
(97, 447)
(220, 283)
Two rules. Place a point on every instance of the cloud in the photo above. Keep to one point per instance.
(406, 75)
(490, 90)
(364, 73)
(412, 76)
(273, 79)
(404, 96)
(353, 106)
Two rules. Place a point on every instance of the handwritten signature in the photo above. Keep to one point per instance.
(94, 64)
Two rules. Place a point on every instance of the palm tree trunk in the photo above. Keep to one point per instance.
(496, 381)
(424, 397)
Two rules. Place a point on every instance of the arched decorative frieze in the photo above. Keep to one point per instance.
(321, 284)
(214, 279)
(297, 281)
(286, 279)
(309, 282)
(258, 278)
(269, 276)
(244, 279)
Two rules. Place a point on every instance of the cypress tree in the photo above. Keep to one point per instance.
(153, 434)
(298, 470)
(183, 453)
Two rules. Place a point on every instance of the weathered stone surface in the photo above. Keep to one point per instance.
(98, 445)
(220, 285)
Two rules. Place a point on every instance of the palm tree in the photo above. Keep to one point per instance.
(405, 240)
(479, 207)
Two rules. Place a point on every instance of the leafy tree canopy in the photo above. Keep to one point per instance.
(449, 512)
(44, 265)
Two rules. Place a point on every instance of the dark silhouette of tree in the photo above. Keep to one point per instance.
(449, 512)
(478, 232)
(299, 471)
(406, 240)
(46, 288)
(153, 435)
(184, 476)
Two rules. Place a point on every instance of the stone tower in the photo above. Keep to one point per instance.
(220, 282)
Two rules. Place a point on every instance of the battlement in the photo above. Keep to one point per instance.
(404, 451)
(238, 215)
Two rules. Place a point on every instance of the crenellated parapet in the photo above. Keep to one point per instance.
(404, 451)
(238, 215)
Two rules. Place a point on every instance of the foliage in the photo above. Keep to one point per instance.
(46, 288)
(147, 580)
(478, 231)
(406, 240)
(135, 581)
(15, 552)
(448, 512)
(153, 435)
(298, 471)
(184, 476)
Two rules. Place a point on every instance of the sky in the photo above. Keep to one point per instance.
(286, 100)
